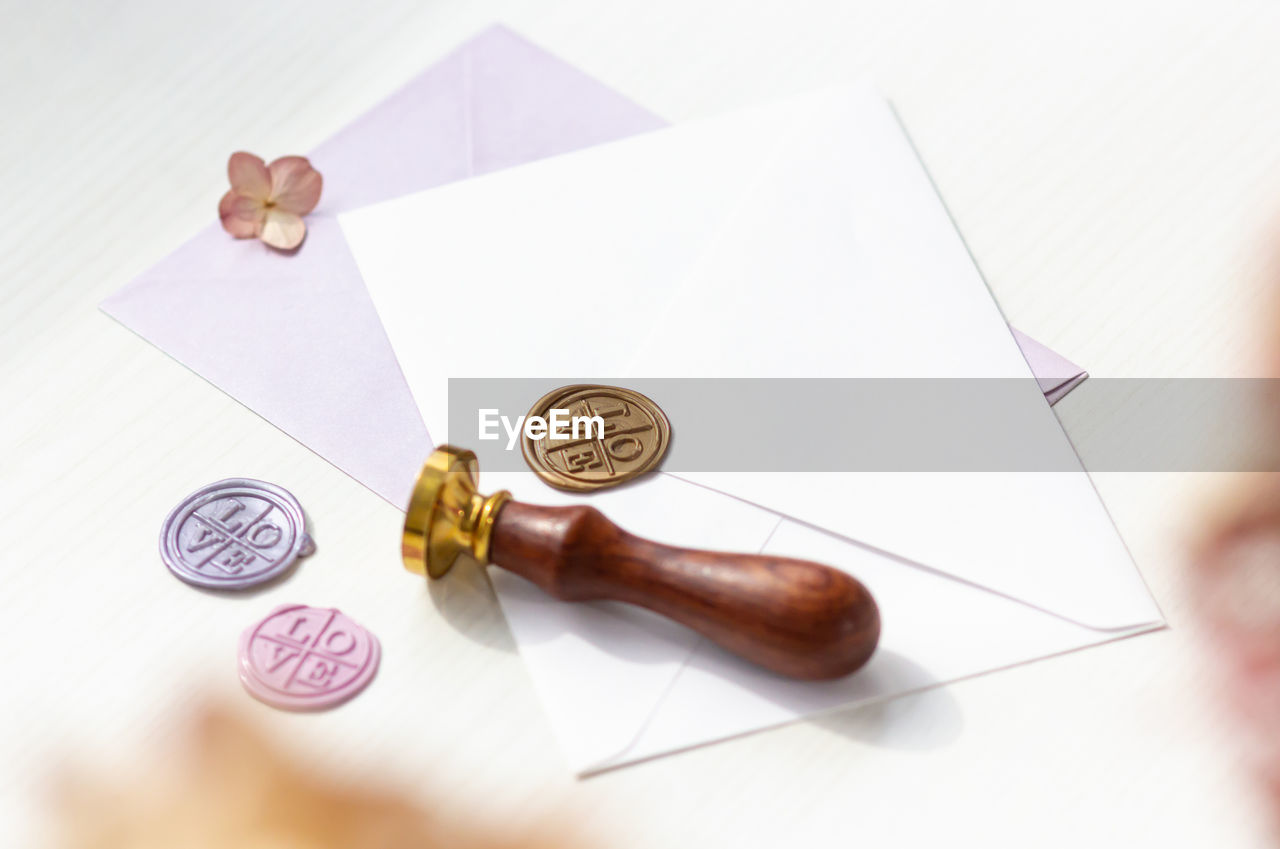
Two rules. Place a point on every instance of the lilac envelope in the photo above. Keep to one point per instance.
(296, 337)
(1055, 373)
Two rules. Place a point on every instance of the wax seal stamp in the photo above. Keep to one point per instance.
(610, 435)
(795, 617)
(234, 534)
(307, 658)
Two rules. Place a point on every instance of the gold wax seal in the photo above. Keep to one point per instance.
(596, 436)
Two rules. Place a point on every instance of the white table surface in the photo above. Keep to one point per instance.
(1114, 167)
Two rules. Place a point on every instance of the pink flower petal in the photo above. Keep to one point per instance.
(295, 185)
(283, 230)
(249, 175)
(241, 215)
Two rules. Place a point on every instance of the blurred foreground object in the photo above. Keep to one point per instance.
(227, 787)
(1237, 590)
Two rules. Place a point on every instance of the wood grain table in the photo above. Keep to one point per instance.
(1114, 167)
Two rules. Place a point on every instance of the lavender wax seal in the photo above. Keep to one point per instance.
(307, 658)
(234, 534)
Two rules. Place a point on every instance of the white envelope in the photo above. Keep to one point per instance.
(799, 239)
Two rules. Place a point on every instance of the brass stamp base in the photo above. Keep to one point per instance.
(447, 517)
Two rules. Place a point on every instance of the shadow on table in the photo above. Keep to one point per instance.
(465, 599)
(921, 721)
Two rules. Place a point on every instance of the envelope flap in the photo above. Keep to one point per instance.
(934, 631)
(495, 102)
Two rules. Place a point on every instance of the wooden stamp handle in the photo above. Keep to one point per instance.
(795, 617)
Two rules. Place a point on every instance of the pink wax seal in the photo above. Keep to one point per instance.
(307, 658)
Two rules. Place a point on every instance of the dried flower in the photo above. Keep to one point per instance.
(226, 784)
(268, 201)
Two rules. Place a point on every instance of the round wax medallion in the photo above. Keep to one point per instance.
(307, 658)
(234, 534)
(624, 436)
